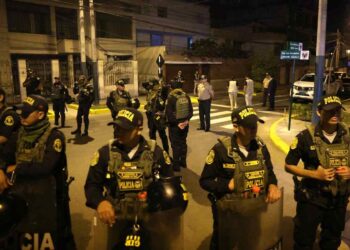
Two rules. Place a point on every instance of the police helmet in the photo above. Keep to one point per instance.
(12, 209)
(167, 193)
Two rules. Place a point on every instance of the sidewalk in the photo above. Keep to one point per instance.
(282, 138)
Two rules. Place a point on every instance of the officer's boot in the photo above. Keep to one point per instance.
(86, 133)
(77, 131)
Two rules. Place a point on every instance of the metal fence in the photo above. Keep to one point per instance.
(116, 70)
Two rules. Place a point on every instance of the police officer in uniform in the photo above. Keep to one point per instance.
(9, 124)
(59, 93)
(224, 172)
(155, 111)
(39, 177)
(125, 167)
(32, 83)
(118, 99)
(322, 193)
(85, 91)
(178, 112)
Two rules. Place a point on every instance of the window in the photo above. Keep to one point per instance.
(66, 23)
(109, 26)
(162, 11)
(28, 18)
(156, 39)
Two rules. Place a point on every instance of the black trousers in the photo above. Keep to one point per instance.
(272, 99)
(265, 95)
(58, 107)
(153, 130)
(83, 111)
(309, 217)
(204, 113)
(179, 145)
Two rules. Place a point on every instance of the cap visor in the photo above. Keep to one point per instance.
(251, 122)
(121, 124)
(332, 106)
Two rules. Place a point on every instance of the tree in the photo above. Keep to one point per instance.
(264, 63)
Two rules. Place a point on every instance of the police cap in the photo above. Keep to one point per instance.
(33, 103)
(246, 117)
(128, 118)
(330, 102)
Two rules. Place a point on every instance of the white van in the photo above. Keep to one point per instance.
(304, 88)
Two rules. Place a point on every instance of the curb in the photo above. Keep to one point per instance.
(278, 141)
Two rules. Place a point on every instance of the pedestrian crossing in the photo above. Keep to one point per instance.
(221, 118)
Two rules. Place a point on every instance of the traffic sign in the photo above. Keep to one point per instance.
(290, 54)
(295, 46)
(304, 55)
(160, 60)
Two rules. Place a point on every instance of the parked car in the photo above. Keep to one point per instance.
(303, 89)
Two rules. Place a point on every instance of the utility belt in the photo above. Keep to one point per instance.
(319, 195)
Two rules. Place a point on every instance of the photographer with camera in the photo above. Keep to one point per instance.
(155, 111)
(85, 95)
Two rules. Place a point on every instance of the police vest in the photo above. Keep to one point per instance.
(120, 100)
(248, 174)
(35, 154)
(333, 156)
(151, 96)
(182, 104)
(57, 92)
(132, 177)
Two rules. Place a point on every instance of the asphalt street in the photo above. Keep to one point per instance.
(197, 218)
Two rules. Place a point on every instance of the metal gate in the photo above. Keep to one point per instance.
(116, 70)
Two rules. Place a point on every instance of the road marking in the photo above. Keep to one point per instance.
(220, 120)
(196, 112)
(196, 117)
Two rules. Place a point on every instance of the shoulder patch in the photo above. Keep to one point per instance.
(210, 157)
(57, 145)
(9, 121)
(166, 157)
(294, 143)
(95, 159)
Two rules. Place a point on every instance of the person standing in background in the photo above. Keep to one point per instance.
(205, 95)
(248, 91)
(232, 93)
(266, 82)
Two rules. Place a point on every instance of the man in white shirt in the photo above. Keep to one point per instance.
(205, 95)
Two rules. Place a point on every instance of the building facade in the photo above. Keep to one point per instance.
(60, 38)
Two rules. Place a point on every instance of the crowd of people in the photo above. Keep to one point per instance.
(130, 177)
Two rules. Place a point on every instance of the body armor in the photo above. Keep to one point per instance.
(182, 104)
(131, 178)
(250, 178)
(57, 91)
(120, 100)
(35, 154)
(333, 156)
